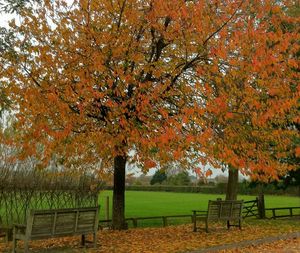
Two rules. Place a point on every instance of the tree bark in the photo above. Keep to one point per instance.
(261, 203)
(118, 215)
(232, 184)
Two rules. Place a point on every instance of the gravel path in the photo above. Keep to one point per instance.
(288, 248)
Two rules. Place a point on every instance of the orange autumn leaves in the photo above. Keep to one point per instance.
(169, 239)
(189, 81)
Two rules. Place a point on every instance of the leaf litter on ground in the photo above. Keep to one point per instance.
(169, 239)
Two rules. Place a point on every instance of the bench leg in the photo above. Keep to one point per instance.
(206, 226)
(26, 246)
(82, 240)
(14, 246)
(15, 241)
(228, 224)
(194, 222)
(95, 240)
(240, 224)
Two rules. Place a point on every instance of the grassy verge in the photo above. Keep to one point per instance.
(143, 204)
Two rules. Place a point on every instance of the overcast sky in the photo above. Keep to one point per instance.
(4, 18)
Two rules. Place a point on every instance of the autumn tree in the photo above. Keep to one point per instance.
(147, 81)
(292, 177)
(252, 98)
(97, 79)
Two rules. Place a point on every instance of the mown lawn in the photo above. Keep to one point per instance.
(142, 203)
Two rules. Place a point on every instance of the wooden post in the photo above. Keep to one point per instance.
(165, 223)
(107, 208)
(194, 220)
(134, 222)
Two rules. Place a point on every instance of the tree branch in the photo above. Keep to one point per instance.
(222, 26)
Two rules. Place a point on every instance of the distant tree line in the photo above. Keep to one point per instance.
(160, 177)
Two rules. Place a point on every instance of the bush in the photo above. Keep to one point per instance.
(171, 188)
(158, 177)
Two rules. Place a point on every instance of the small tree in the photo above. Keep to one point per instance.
(158, 178)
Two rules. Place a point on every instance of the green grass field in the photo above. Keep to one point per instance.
(141, 204)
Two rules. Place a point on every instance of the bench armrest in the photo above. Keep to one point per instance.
(19, 228)
(19, 225)
(199, 213)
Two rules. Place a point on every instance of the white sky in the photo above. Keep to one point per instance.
(4, 18)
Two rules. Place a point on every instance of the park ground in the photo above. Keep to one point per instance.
(151, 237)
(147, 203)
(179, 238)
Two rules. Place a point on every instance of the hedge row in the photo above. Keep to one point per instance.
(171, 188)
(220, 188)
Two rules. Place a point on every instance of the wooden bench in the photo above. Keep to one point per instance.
(42, 224)
(220, 210)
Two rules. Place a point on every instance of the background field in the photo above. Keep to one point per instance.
(140, 204)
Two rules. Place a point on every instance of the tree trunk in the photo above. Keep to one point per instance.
(261, 203)
(118, 215)
(232, 184)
